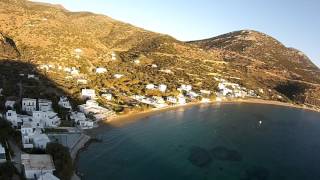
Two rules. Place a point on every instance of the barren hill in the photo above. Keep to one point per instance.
(44, 34)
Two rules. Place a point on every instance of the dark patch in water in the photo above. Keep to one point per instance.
(224, 154)
(199, 157)
(256, 173)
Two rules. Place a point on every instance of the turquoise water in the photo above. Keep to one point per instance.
(223, 142)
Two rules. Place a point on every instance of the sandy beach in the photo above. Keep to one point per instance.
(133, 115)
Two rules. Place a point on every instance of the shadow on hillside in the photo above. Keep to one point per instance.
(20, 79)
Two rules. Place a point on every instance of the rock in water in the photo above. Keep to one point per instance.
(225, 154)
(199, 157)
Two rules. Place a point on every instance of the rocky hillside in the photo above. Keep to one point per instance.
(53, 39)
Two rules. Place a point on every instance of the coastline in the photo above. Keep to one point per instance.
(134, 115)
(140, 114)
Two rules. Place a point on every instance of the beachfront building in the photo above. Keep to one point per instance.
(92, 107)
(88, 94)
(47, 176)
(29, 105)
(101, 70)
(82, 122)
(172, 100)
(3, 158)
(10, 104)
(107, 96)
(205, 100)
(64, 102)
(162, 88)
(44, 105)
(35, 165)
(181, 99)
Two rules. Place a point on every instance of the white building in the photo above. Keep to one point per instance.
(40, 141)
(88, 94)
(162, 88)
(29, 105)
(48, 176)
(45, 105)
(82, 81)
(47, 119)
(118, 76)
(36, 165)
(154, 65)
(93, 108)
(81, 120)
(64, 102)
(10, 104)
(107, 96)
(27, 133)
(181, 99)
(205, 92)
(113, 56)
(101, 70)
(74, 71)
(12, 117)
(3, 158)
(184, 87)
(172, 100)
(150, 86)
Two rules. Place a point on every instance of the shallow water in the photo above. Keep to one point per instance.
(209, 142)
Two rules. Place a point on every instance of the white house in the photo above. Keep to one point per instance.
(81, 120)
(48, 176)
(12, 117)
(93, 108)
(88, 94)
(3, 158)
(10, 104)
(154, 65)
(101, 70)
(192, 94)
(118, 76)
(40, 141)
(172, 100)
(29, 105)
(184, 87)
(27, 132)
(82, 81)
(45, 105)
(36, 165)
(74, 71)
(113, 56)
(205, 92)
(47, 119)
(150, 86)
(162, 88)
(64, 102)
(181, 99)
(107, 96)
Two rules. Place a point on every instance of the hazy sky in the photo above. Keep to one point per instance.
(296, 23)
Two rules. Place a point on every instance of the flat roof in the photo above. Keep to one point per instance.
(37, 162)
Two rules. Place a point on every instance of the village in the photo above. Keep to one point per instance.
(42, 121)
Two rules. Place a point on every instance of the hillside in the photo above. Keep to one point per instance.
(54, 40)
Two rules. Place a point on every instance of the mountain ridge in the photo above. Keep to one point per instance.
(49, 34)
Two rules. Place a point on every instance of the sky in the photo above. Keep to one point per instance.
(296, 23)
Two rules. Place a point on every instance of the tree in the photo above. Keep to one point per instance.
(62, 160)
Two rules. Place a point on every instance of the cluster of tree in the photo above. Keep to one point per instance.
(9, 172)
(62, 160)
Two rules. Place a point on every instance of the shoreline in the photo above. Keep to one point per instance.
(135, 115)
(152, 111)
